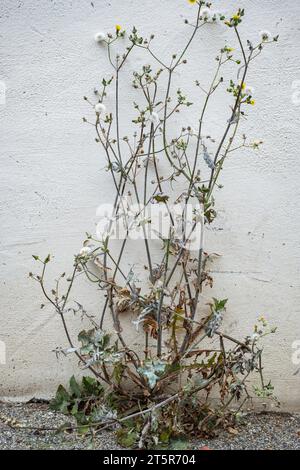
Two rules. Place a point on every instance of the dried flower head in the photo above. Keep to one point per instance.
(256, 143)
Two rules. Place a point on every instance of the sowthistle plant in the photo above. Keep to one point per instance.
(164, 389)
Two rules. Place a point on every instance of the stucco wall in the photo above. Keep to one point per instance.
(52, 183)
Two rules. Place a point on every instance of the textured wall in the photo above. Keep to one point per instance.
(52, 183)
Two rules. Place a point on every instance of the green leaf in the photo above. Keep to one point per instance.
(91, 386)
(179, 444)
(84, 337)
(47, 259)
(127, 439)
(161, 198)
(118, 372)
(219, 304)
(61, 400)
(81, 418)
(74, 387)
(83, 429)
(152, 371)
(74, 409)
(165, 436)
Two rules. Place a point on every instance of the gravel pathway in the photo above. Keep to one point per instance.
(260, 431)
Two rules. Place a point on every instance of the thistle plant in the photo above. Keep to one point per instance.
(162, 388)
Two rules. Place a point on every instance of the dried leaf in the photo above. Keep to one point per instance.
(232, 431)
(150, 326)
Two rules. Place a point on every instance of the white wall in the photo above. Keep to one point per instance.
(52, 183)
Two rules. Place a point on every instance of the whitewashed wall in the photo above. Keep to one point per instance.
(52, 183)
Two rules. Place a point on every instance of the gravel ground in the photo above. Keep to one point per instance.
(260, 431)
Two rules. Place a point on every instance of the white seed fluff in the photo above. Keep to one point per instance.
(192, 131)
(265, 35)
(86, 250)
(99, 37)
(206, 14)
(249, 90)
(100, 108)
(154, 118)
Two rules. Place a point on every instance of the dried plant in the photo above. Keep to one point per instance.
(165, 389)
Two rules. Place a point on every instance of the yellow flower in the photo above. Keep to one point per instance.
(252, 102)
(243, 86)
(118, 28)
(236, 17)
(192, 1)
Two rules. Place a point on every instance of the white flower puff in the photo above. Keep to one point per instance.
(265, 35)
(192, 131)
(249, 90)
(154, 118)
(85, 251)
(206, 14)
(100, 108)
(99, 37)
